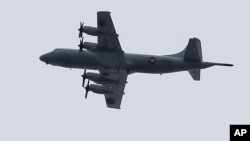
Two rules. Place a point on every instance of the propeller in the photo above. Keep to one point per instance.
(81, 29)
(87, 90)
(81, 44)
(83, 78)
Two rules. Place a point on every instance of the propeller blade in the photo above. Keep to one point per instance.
(80, 34)
(86, 94)
(81, 29)
(83, 81)
(81, 26)
(83, 78)
(87, 90)
(81, 44)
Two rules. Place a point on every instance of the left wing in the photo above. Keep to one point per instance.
(108, 40)
(113, 100)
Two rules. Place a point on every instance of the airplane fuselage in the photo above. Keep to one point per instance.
(72, 58)
(108, 57)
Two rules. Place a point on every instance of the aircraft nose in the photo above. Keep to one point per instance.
(44, 58)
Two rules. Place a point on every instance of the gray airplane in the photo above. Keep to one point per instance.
(114, 65)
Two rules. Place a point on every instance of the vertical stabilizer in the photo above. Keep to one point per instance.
(193, 51)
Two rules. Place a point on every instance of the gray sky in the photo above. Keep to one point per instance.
(40, 102)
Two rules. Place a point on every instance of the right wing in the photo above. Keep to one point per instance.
(109, 40)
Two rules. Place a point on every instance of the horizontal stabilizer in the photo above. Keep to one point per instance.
(195, 73)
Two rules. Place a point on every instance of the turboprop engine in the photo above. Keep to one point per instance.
(100, 79)
(101, 89)
(88, 45)
(89, 30)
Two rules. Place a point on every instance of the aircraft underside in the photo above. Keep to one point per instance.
(114, 65)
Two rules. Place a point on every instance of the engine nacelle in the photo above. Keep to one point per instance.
(101, 89)
(90, 46)
(92, 31)
(100, 79)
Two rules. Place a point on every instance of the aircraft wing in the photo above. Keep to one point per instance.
(113, 100)
(109, 40)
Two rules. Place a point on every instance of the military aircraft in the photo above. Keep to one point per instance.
(114, 65)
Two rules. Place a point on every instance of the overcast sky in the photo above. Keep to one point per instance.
(41, 102)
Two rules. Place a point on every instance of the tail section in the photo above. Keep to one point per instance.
(193, 53)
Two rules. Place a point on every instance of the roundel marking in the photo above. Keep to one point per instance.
(152, 60)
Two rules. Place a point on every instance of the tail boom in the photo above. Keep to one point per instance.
(192, 55)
